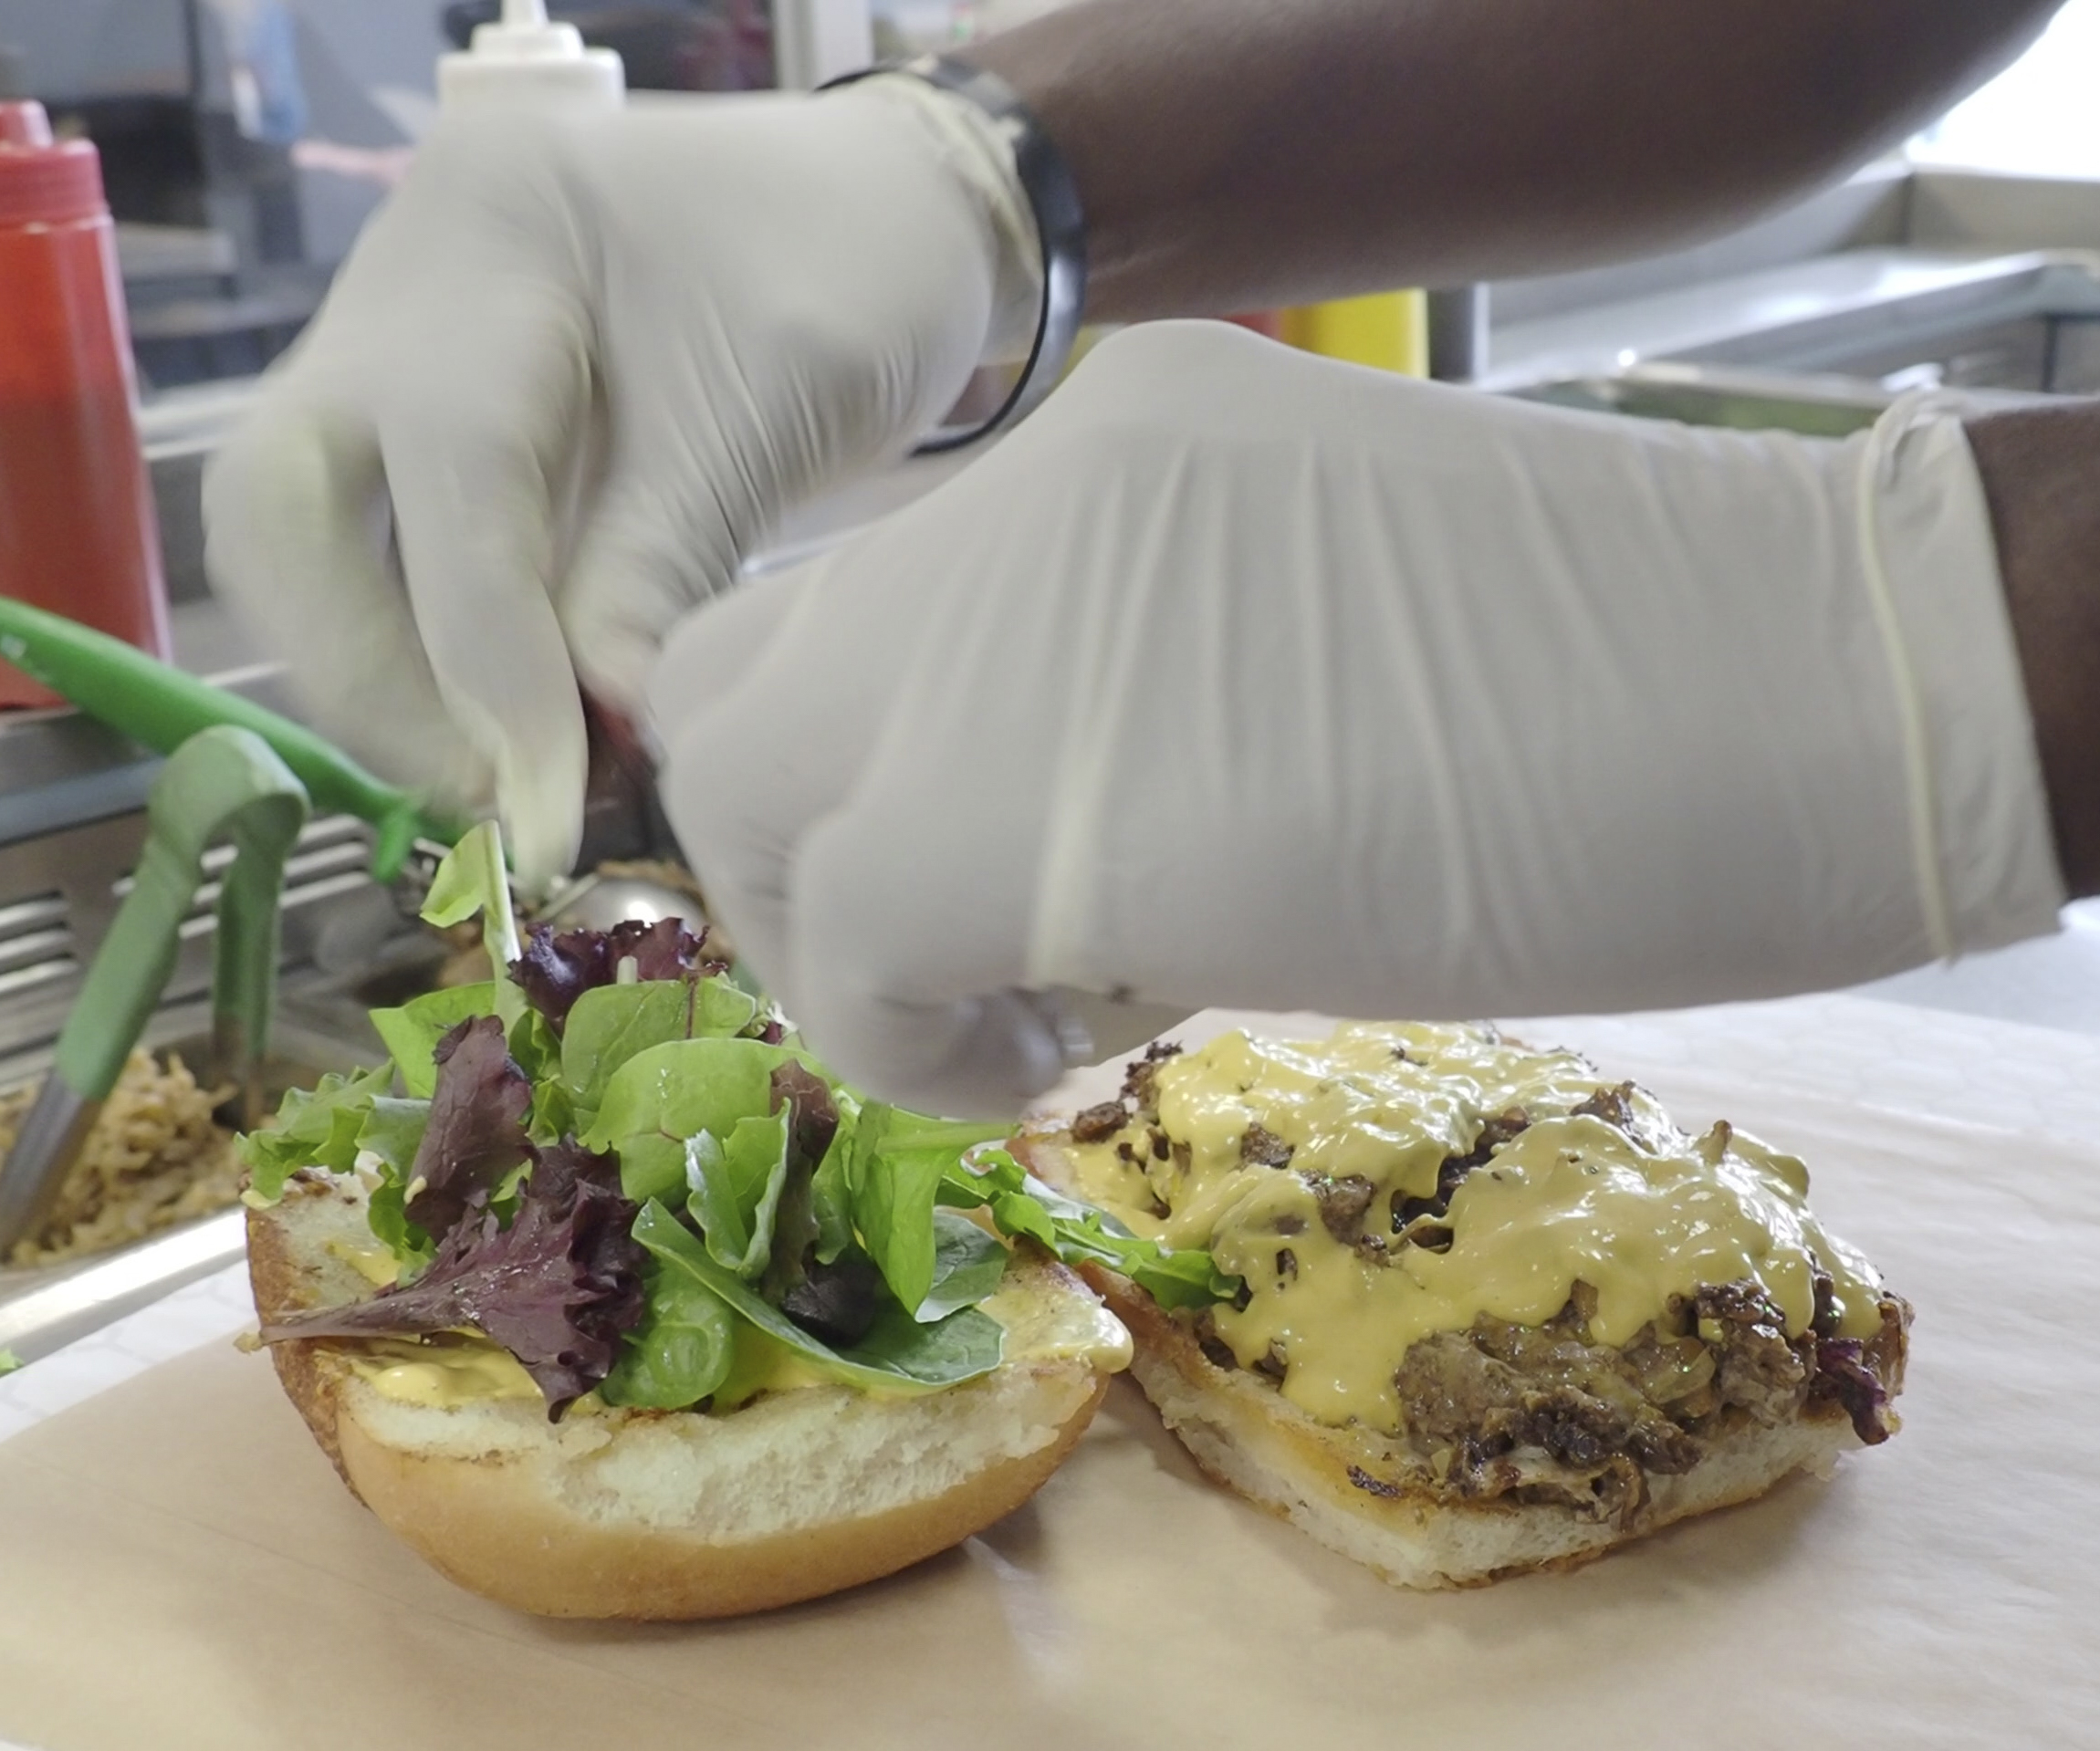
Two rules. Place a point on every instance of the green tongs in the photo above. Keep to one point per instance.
(160, 707)
(222, 783)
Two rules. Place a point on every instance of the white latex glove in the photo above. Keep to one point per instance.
(1236, 677)
(754, 297)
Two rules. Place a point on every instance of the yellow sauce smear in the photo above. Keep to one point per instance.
(1641, 1214)
(443, 1375)
(464, 1368)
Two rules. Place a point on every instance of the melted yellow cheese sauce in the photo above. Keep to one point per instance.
(1045, 1326)
(1640, 1214)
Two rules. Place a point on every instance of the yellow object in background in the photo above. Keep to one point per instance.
(1387, 330)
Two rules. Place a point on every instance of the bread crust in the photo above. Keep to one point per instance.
(1338, 1485)
(551, 1519)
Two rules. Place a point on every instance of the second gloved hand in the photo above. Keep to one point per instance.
(1236, 677)
(746, 298)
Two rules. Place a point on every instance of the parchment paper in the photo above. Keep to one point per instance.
(179, 1568)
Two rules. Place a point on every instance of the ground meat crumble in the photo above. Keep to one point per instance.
(1545, 1413)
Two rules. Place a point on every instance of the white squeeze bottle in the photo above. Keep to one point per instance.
(527, 61)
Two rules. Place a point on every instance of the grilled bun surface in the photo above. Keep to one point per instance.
(667, 1514)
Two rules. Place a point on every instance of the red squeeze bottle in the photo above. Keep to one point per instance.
(77, 534)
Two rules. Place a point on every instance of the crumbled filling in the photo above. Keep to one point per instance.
(1551, 1408)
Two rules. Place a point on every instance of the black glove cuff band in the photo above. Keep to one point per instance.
(1060, 228)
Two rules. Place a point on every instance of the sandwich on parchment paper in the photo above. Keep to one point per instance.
(626, 1308)
(1481, 1311)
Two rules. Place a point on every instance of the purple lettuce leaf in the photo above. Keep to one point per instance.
(664, 950)
(557, 968)
(813, 1122)
(477, 1129)
(558, 1288)
(813, 1119)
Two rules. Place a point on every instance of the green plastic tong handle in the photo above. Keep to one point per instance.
(160, 707)
(223, 782)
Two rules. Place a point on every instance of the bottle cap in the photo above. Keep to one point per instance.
(45, 181)
(523, 59)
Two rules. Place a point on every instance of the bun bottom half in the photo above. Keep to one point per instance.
(670, 1514)
(1243, 1433)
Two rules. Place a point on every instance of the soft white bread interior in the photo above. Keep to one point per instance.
(1338, 1484)
(675, 1515)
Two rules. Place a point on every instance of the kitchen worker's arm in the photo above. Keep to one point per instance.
(2039, 467)
(1236, 677)
(578, 365)
(1234, 154)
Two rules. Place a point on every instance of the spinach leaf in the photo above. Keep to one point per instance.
(669, 1093)
(968, 1266)
(611, 1024)
(898, 1163)
(898, 1354)
(681, 1351)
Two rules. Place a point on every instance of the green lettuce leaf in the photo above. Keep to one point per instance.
(831, 1198)
(9, 1361)
(535, 1047)
(553, 1113)
(681, 1351)
(392, 1130)
(319, 1128)
(472, 877)
(1079, 1233)
(413, 1031)
(736, 1190)
(613, 1023)
(386, 1214)
(330, 1127)
(898, 1354)
(662, 1096)
(898, 1163)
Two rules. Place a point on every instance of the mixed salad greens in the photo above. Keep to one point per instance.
(624, 1168)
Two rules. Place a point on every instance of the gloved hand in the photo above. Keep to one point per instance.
(1237, 677)
(755, 296)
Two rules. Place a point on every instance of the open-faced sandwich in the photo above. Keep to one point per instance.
(625, 1308)
(1479, 1311)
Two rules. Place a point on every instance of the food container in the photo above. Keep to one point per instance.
(46, 1306)
(78, 531)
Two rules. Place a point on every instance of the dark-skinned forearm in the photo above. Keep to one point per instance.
(2039, 469)
(1234, 154)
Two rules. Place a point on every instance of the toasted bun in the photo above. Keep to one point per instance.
(617, 1514)
(1247, 1435)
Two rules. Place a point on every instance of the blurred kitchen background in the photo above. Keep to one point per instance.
(244, 142)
